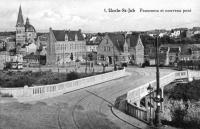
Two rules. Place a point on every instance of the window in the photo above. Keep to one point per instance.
(104, 48)
(108, 48)
(107, 41)
(102, 57)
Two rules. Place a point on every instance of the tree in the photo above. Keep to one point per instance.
(71, 56)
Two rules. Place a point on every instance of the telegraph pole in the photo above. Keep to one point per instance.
(158, 97)
(115, 68)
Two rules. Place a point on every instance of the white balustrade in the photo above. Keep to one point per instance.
(141, 91)
(46, 91)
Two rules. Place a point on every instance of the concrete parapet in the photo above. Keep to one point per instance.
(41, 92)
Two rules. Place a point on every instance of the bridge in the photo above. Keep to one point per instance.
(87, 103)
(135, 96)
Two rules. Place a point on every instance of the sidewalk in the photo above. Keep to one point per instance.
(135, 122)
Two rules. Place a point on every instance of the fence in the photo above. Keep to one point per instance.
(138, 112)
(195, 115)
(46, 91)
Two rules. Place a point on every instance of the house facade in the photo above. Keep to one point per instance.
(135, 48)
(116, 48)
(41, 43)
(63, 45)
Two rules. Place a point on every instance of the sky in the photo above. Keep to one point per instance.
(93, 15)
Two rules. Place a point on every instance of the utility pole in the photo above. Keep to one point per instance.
(86, 62)
(114, 58)
(63, 54)
(158, 98)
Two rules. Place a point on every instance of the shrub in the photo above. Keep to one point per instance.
(181, 114)
(72, 76)
(188, 91)
(5, 95)
(178, 112)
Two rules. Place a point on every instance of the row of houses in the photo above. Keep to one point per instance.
(170, 54)
(63, 46)
(111, 48)
(175, 33)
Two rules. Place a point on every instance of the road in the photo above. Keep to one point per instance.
(88, 108)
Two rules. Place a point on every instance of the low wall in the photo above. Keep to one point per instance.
(141, 91)
(46, 91)
(138, 93)
(138, 112)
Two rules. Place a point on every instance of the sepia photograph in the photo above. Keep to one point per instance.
(99, 64)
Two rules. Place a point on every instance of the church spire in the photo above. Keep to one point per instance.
(20, 20)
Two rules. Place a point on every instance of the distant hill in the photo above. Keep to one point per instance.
(146, 39)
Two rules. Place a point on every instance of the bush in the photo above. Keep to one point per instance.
(178, 112)
(188, 91)
(72, 76)
(5, 95)
(181, 114)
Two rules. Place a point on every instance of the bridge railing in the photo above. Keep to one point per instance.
(141, 91)
(46, 91)
(138, 112)
(138, 93)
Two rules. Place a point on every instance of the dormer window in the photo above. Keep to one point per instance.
(66, 37)
(76, 37)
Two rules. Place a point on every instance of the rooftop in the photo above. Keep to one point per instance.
(60, 35)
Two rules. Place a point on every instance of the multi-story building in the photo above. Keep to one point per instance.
(116, 47)
(65, 45)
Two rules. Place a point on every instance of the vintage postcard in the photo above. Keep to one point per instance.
(99, 64)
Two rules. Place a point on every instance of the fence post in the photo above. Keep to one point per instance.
(26, 91)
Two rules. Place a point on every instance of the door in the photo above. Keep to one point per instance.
(110, 59)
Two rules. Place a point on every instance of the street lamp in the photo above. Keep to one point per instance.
(86, 62)
(158, 98)
(150, 89)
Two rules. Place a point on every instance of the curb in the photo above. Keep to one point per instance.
(117, 113)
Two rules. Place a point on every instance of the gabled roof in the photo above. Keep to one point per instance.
(20, 20)
(94, 40)
(117, 39)
(134, 37)
(71, 35)
(60, 35)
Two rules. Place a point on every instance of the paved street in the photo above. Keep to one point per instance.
(88, 108)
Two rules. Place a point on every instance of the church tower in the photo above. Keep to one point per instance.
(20, 29)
